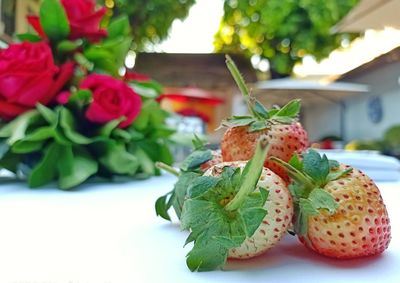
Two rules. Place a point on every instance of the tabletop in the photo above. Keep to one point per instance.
(108, 233)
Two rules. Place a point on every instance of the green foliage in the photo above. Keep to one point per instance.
(151, 19)
(283, 31)
(54, 20)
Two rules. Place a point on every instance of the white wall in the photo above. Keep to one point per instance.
(321, 120)
(384, 83)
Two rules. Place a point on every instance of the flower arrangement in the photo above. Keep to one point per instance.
(66, 112)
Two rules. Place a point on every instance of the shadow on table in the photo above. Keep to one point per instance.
(289, 251)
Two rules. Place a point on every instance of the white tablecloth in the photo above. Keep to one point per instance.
(108, 233)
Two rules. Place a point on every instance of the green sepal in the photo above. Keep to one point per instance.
(53, 20)
(195, 159)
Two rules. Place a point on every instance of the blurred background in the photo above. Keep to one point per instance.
(341, 57)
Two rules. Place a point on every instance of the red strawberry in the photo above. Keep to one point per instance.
(285, 135)
(339, 210)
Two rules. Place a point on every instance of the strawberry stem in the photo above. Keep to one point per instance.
(251, 174)
(295, 174)
(240, 83)
(169, 169)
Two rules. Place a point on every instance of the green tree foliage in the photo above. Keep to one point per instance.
(151, 19)
(283, 31)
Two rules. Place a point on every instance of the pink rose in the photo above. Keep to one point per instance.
(112, 99)
(84, 20)
(29, 76)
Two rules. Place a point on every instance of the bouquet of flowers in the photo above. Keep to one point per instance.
(67, 109)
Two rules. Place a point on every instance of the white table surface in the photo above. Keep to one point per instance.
(108, 233)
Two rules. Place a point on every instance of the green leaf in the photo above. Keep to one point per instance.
(84, 61)
(201, 185)
(16, 129)
(148, 89)
(260, 110)
(107, 129)
(49, 115)
(296, 162)
(46, 170)
(67, 46)
(238, 121)
(195, 159)
(119, 26)
(252, 218)
(307, 207)
(29, 37)
(163, 205)
(333, 164)
(337, 174)
(68, 125)
(53, 20)
(75, 166)
(146, 163)
(114, 155)
(198, 143)
(4, 147)
(291, 109)
(322, 199)
(258, 126)
(180, 191)
(282, 120)
(316, 167)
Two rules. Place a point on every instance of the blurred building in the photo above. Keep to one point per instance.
(216, 95)
(368, 116)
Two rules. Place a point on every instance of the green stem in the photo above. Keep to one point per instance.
(237, 76)
(295, 174)
(240, 83)
(169, 169)
(251, 174)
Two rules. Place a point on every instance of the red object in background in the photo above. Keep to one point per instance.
(133, 76)
(327, 144)
(193, 113)
(191, 94)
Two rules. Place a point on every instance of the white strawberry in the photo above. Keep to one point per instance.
(235, 210)
(279, 207)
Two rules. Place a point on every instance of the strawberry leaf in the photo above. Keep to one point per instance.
(337, 174)
(258, 126)
(195, 159)
(291, 109)
(296, 162)
(238, 121)
(316, 167)
(260, 110)
(201, 185)
(323, 200)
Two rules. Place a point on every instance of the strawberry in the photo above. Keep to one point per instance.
(238, 143)
(275, 224)
(339, 211)
(285, 135)
(226, 212)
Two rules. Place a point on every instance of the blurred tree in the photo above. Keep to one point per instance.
(150, 19)
(283, 31)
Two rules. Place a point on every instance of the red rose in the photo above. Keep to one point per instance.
(29, 76)
(112, 99)
(84, 20)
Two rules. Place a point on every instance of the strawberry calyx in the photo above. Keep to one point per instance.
(189, 169)
(222, 211)
(309, 176)
(261, 118)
